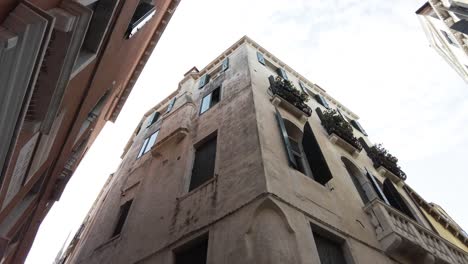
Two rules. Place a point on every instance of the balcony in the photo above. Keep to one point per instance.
(287, 96)
(340, 132)
(175, 125)
(401, 236)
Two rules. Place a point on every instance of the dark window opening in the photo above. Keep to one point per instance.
(395, 199)
(143, 13)
(449, 38)
(153, 118)
(204, 164)
(124, 209)
(354, 173)
(210, 100)
(329, 251)
(193, 253)
(318, 165)
(321, 100)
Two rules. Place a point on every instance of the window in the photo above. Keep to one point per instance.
(260, 58)
(203, 81)
(355, 174)
(210, 100)
(329, 251)
(306, 157)
(358, 126)
(225, 64)
(321, 100)
(123, 213)
(194, 252)
(449, 38)
(395, 199)
(148, 144)
(318, 165)
(204, 164)
(171, 105)
(143, 13)
(153, 118)
(282, 73)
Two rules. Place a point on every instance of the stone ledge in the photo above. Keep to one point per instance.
(278, 101)
(390, 175)
(337, 140)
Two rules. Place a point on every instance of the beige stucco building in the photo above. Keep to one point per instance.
(236, 167)
(445, 23)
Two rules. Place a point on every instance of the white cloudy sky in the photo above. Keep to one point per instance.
(370, 55)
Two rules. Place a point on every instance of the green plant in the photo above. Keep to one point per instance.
(333, 122)
(286, 90)
(286, 84)
(381, 157)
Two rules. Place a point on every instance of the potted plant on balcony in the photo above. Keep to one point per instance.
(381, 157)
(286, 90)
(335, 123)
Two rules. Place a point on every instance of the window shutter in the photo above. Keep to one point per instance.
(153, 118)
(225, 64)
(171, 105)
(282, 73)
(341, 114)
(303, 88)
(284, 135)
(329, 251)
(260, 58)
(358, 126)
(318, 164)
(376, 187)
(322, 100)
(395, 199)
(203, 81)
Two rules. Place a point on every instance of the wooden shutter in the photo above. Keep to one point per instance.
(282, 73)
(318, 165)
(153, 118)
(329, 251)
(284, 135)
(395, 199)
(303, 88)
(358, 126)
(322, 100)
(203, 81)
(225, 64)
(260, 58)
(171, 105)
(376, 187)
(204, 164)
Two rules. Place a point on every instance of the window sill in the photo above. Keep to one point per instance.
(196, 190)
(112, 240)
(337, 140)
(278, 101)
(390, 175)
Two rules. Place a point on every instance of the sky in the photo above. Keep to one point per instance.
(370, 55)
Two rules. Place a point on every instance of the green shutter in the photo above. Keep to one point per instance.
(303, 87)
(378, 190)
(203, 81)
(225, 64)
(284, 135)
(260, 58)
(171, 105)
(322, 100)
(282, 73)
(358, 126)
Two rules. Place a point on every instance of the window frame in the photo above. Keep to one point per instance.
(197, 146)
(211, 104)
(145, 148)
(120, 224)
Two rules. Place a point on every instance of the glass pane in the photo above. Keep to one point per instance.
(151, 141)
(205, 103)
(142, 148)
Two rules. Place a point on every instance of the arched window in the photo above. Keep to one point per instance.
(303, 151)
(395, 199)
(355, 175)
